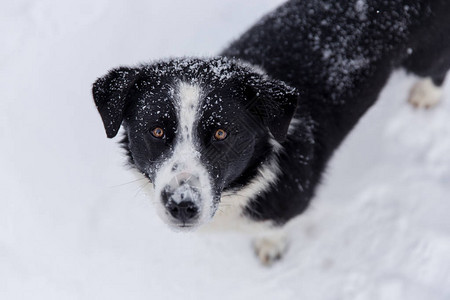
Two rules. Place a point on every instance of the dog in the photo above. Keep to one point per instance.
(241, 140)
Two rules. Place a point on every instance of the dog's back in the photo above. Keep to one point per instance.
(339, 55)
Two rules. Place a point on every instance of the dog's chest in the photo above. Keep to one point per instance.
(230, 217)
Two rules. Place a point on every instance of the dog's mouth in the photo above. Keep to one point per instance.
(184, 227)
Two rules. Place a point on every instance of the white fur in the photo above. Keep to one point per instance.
(425, 94)
(230, 212)
(270, 245)
(188, 98)
(292, 126)
(267, 175)
(185, 160)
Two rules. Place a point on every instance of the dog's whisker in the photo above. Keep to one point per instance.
(141, 188)
(126, 183)
(220, 210)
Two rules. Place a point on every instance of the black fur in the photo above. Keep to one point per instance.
(304, 43)
(330, 59)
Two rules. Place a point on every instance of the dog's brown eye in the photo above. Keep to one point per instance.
(158, 132)
(220, 135)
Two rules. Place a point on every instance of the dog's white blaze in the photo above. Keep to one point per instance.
(186, 157)
(188, 98)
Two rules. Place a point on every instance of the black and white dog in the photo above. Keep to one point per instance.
(241, 140)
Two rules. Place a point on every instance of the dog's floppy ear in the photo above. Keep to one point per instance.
(273, 102)
(111, 97)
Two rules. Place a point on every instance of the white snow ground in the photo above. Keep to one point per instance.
(73, 227)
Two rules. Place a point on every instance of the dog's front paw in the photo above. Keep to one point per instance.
(270, 248)
(425, 94)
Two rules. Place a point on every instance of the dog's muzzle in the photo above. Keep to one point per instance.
(181, 198)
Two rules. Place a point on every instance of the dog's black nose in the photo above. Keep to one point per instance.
(184, 211)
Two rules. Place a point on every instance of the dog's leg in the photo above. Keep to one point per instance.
(270, 245)
(269, 242)
(425, 94)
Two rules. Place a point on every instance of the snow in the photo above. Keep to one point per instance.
(74, 223)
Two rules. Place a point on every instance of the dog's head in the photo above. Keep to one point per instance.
(194, 127)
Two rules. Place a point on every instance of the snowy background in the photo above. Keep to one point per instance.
(73, 225)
